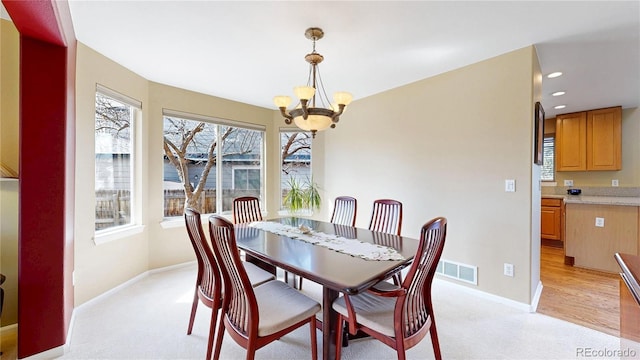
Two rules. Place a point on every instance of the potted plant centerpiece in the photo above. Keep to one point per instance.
(302, 198)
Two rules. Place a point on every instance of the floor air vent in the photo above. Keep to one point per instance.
(458, 271)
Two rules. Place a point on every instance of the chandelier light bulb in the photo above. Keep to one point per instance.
(282, 101)
(342, 98)
(304, 92)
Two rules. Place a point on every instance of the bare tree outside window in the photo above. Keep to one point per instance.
(296, 159)
(113, 162)
(191, 150)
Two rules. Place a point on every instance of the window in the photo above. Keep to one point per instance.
(246, 178)
(547, 171)
(295, 149)
(208, 162)
(114, 159)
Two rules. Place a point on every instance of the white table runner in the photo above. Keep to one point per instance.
(353, 247)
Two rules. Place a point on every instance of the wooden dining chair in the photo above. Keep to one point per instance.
(255, 317)
(402, 316)
(386, 217)
(246, 209)
(344, 211)
(209, 279)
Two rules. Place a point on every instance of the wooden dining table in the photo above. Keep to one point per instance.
(337, 272)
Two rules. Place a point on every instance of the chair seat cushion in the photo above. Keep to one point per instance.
(386, 286)
(374, 312)
(281, 306)
(257, 275)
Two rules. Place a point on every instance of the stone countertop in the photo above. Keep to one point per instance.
(597, 200)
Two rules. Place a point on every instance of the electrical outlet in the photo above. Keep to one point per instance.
(599, 222)
(568, 183)
(508, 269)
(510, 185)
(614, 182)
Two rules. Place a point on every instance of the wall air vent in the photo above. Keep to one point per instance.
(458, 271)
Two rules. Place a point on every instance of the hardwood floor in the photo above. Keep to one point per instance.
(9, 344)
(584, 297)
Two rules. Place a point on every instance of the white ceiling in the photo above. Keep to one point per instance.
(251, 51)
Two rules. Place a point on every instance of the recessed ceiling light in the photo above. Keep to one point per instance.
(554, 75)
(560, 107)
(558, 93)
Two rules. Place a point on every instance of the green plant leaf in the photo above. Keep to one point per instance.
(302, 196)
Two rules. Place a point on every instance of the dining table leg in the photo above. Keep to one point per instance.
(329, 320)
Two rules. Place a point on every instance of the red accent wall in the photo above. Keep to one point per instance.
(47, 166)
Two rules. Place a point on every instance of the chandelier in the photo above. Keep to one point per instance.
(314, 112)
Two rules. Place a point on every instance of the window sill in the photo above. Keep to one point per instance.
(106, 236)
(170, 223)
(305, 212)
(548, 183)
(178, 221)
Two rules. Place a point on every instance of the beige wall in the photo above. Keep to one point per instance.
(9, 145)
(629, 176)
(9, 91)
(99, 268)
(161, 243)
(9, 249)
(444, 146)
(168, 246)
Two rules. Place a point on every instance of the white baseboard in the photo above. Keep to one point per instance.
(485, 295)
(131, 282)
(536, 298)
(171, 267)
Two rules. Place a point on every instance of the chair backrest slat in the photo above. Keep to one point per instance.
(239, 303)
(246, 209)
(209, 279)
(388, 240)
(415, 308)
(386, 216)
(344, 211)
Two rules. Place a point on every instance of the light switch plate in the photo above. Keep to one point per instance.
(599, 222)
(508, 269)
(510, 185)
(568, 183)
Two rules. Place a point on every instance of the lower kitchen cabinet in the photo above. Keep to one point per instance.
(551, 217)
(592, 246)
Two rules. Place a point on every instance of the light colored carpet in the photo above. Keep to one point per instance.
(148, 320)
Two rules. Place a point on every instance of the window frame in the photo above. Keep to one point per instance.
(219, 122)
(134, 226)
(282, 130)
(548, 139)
(244, 167)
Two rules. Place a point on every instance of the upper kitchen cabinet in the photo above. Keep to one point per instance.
(589, 140)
